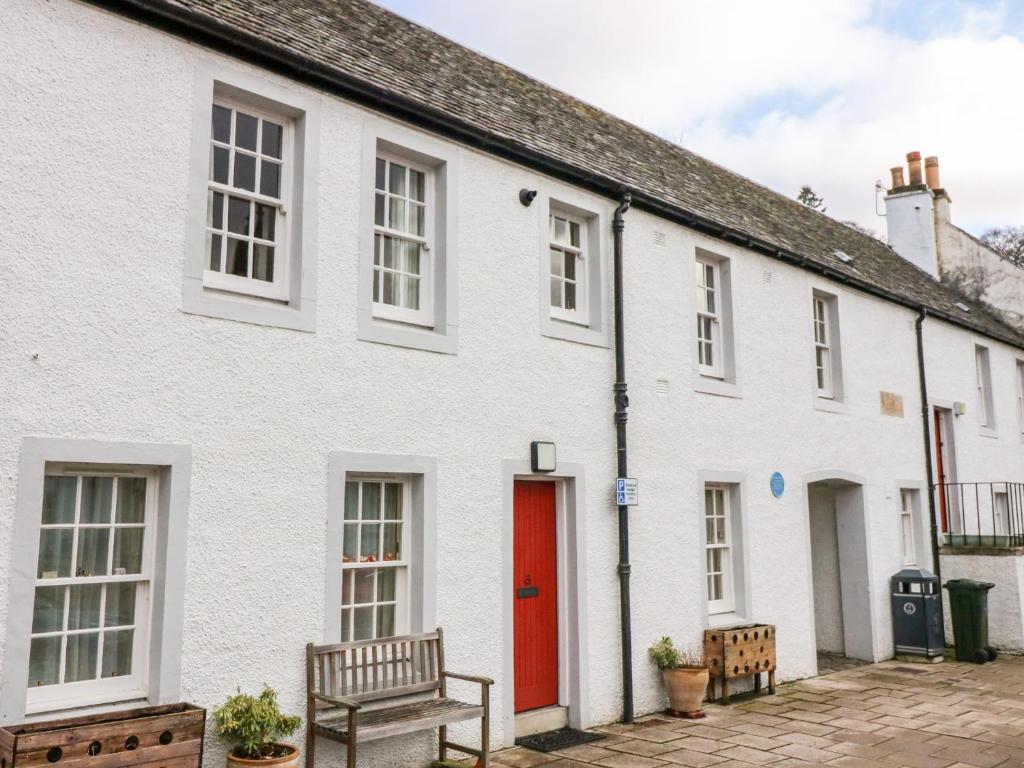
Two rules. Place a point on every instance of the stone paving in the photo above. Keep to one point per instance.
(890, 715)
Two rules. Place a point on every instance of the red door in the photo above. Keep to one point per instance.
(535, 614)
(940, 460)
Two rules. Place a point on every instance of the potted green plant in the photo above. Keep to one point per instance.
(253, 726)
(685, 675)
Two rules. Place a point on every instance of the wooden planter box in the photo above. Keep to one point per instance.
(745, 650)
(169, 736)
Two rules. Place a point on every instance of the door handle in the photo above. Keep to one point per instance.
(523, 592)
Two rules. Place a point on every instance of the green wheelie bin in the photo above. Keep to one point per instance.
(968, 604)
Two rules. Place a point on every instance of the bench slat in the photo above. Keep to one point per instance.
(406, 718)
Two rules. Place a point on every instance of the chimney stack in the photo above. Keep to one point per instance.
(931, 172)
(914, 161)
(897, 177)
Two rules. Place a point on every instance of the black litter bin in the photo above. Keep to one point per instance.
(968, 605)
(917, 613)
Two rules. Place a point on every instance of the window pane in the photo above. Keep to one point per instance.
(221, 123)
(214, 247)
(92, 552)
(418, 222)
(44, 661)
(709, 530)
(362, 623)
(557, 263)
(560, 231)
(709, 277)
(570, 266)
(411, 292)
(381, 166)
(131, 499)
(396, 180)
(385, 621)
(80, 660)
(393, 541)
(55, 553)
(117, 653)
(271, 144)
(245, 171)
(371, 501)
(97, 499)
(385, 584)
(709, 302)
(363, 582)
(127, 551)
(263, 262)
(389, 292)
(245, 131)
(270, 179)
(348, 553)
(347, 577)
(570, 296)
(215, 210)
(574, 234)
(417, 186)
(120, 607)
(238, 257)
(351, 501)
(59, 500)
(239, 211)
(409, 257)
(387, 252)
(396, 217)
(378, 210)
(346, 625)
(48, 611)
(219, 157)
(392, 501)
(716, 583)
(84, 606)
(369, 543)
(556, 292)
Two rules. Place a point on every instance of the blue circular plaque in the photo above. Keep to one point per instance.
(778, 484)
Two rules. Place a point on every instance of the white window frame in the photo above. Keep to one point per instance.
(715, 368)
(908, 538)
(402, 567)
(580, 315)
(113, 689)
(726, 603)
(425, 314)
(822, 328)
(278, 289)
(1019, 380)
(983, 385)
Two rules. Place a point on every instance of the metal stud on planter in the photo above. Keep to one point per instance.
(164, 735)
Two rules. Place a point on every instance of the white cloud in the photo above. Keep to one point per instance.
(786, 92)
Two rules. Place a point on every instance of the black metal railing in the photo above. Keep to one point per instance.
(980, 514)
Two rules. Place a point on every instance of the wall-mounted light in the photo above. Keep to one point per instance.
(542, 456)
(959, 409)
(526, 196)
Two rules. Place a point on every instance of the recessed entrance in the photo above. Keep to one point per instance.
(535, 600)
(839, 569)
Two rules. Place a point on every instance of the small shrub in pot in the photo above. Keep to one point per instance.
(253, 726)
(684, 673)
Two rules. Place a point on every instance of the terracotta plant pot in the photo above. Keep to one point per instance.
(289, 760)
(686, 687)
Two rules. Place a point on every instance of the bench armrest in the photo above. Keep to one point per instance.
(470, 678)
(336, 700)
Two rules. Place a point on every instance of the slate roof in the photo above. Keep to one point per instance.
(365, 43)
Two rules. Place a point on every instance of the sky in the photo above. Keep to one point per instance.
(827, 93)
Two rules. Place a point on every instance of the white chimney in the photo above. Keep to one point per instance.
(910, 216)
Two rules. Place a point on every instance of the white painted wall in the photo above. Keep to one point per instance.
(910, 227)
(1005, 600)
(91, 263)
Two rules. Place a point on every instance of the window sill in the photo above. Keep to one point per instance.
(429, 339)
(77, 707)
(719, 387)
(828, 405)
(199, 299)
(570, 330)
(988, 432)
(716, 620)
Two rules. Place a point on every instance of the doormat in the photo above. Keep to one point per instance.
(563, 738)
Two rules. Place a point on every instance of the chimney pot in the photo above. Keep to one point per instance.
(897, 177)
(914, 161)
(931, 172)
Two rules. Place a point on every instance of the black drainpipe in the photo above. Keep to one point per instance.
(927, 432)
(621, 404)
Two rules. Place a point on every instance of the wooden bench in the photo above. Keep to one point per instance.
(402, 680)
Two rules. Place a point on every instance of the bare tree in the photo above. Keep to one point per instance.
(1007, 241)
(807, 196)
